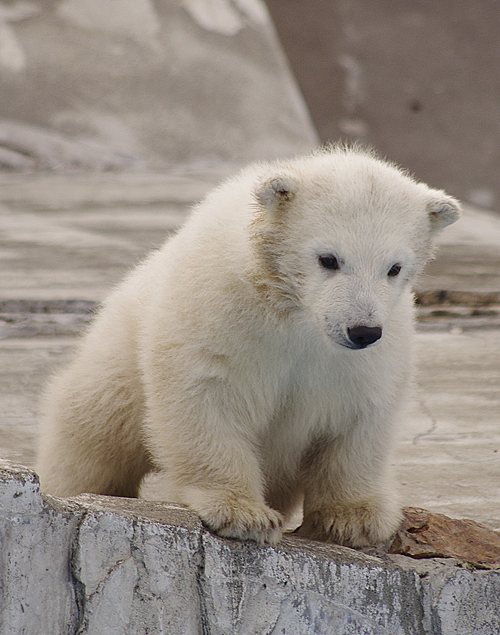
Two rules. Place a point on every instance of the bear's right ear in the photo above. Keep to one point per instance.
(275, 194)
(443, 210)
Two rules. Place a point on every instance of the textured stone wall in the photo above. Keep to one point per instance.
(102, 566)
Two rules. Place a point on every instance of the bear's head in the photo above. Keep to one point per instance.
(340, 237)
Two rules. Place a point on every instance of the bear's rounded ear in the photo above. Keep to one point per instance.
(443, 210)
(276, 193)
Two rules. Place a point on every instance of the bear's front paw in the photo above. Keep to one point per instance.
(236, 517)
(356, 525)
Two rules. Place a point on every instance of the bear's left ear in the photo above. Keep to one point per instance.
(443, 210)
(275, 194)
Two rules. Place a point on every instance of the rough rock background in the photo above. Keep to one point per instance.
(142, 84)
(418, 80)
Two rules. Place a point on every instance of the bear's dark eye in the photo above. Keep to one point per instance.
(394, 270)
(329, 262)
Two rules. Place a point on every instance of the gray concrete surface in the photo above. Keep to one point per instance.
(66, 240)
(418, 80)
(101, 566)
(138, 84)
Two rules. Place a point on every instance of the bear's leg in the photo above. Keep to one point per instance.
(235, 513)
(348, 497)
(90, 438)
(214, 470)
(68, 471)
(223, 488)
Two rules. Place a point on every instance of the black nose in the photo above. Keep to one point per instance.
(363, 336)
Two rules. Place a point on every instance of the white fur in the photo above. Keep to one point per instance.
(224, 360)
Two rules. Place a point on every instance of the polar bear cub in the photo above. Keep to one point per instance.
(260, 359)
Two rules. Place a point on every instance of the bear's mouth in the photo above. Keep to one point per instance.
(358, 347)
(355, 347)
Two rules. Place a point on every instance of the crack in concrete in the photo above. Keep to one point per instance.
(200, 577)
(102, 583)
(432, 427)
(78, 585)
